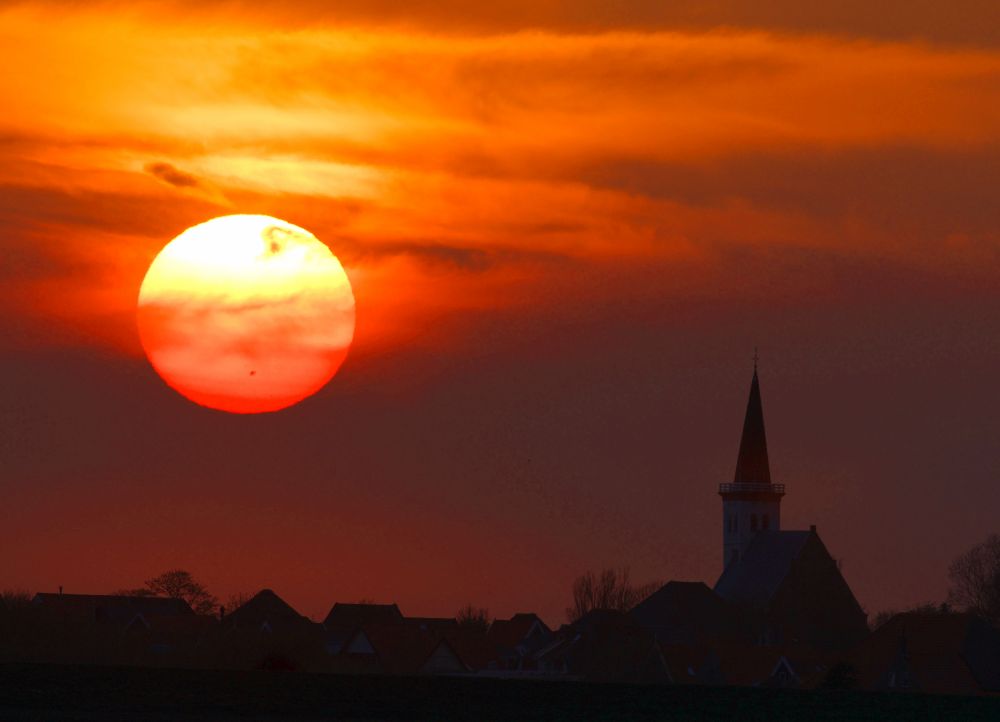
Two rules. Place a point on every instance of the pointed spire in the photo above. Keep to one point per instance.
(751, 464)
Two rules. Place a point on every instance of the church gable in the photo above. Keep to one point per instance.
(755, 579)
(792, 585)
(814, 603)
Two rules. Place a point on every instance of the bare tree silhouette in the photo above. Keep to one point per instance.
(178, 584)
(14, 598)
(473, 617)
(611, 589)
(975, 580)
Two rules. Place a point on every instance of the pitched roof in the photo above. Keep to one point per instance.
(751, 463)
(684, 612)
(400, 648)
(264, 606)
(943, 653)
(352, 616)
(110, 607)
(981, 651)
(756, 577)
(472, 646)
(508, 633)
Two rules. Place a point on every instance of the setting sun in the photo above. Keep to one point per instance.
(246, 314)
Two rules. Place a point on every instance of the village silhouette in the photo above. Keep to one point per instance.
(780, 616)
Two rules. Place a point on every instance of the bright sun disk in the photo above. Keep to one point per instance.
(246, 314)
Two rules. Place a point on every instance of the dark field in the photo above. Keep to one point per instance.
(49, 692)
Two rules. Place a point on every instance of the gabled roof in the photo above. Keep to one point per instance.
(111, 608)
(685, 612)
(265, 607)
(352, 616)
(472, 646)
(751, 463)
(400, 648)
(756, 577)
(509, 633)
(943, 653)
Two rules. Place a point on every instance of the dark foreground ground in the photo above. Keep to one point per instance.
(50, 692)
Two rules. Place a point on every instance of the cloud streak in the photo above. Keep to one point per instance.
(171, 175)
(509, 154)
(973, 22)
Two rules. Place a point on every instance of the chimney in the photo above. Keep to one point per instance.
(60, 590)
(812, 528)
(222, 613)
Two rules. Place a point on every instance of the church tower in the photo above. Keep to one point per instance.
(751, 503)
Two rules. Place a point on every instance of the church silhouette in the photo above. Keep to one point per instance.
(777, 587)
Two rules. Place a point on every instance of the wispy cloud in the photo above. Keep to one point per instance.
(172, 176)
(499, 151)
(188, 182)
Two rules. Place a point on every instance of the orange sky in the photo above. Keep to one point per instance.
(523, 194)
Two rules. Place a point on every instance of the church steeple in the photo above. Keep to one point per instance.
(751, 503)
(751, 463)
